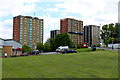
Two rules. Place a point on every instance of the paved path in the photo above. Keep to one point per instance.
(48, 53)
(108, 49)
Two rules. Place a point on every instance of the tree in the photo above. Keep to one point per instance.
(110, 31)
(46, 47)
(63, 40)
(52, 44)
(80, 45)
(26, 49)
(104, 33)
(40, 46)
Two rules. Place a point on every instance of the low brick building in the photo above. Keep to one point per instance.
(10, 46)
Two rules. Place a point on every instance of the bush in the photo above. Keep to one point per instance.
(98, 45)
(84, 50)
(80, 45)
(22, 55)
(14, 56)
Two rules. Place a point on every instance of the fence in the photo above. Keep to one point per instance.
(116, 46)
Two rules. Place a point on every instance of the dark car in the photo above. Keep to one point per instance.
(29, 53)
(68, 51)
(34, 52)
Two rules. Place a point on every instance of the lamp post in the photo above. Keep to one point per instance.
(112, 43)
(100, 36)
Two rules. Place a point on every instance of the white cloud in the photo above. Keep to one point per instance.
(6, 29)
(16, 7)
(92, 11)
(50, 24)
(83, 7)
(53, 9)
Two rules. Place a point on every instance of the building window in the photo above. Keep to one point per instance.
(21, 18)
(30, 19)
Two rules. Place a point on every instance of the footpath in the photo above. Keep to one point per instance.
(108, 48)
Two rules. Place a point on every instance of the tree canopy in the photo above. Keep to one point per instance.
(26, 48)
(110, 31)
(63, 40)
(40, 46)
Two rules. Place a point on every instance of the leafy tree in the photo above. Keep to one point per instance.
(40, 46)
(46, 47)
(110, 31)
(51, 43)
(72, 45)
(104, 33)
(63, 40)
(80, 45)
(26, 48)
(116, 30)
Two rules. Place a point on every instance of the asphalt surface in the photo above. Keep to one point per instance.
(49, 53)
(108, 48)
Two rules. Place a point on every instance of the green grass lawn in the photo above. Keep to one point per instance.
(99, 64)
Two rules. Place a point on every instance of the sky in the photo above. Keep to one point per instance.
(91, 12)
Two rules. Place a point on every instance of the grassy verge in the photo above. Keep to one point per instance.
(88, 50)
(99, 64)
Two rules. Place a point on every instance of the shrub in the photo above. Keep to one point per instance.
(98, 45)
(14, 56)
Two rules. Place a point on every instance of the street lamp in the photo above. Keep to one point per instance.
(100, 36)
(112, 43)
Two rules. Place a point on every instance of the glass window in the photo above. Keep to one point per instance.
(21, 18)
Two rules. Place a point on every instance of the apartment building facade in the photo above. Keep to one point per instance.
(92, 35)
(28, 30)
(74, 28)
(53, 33)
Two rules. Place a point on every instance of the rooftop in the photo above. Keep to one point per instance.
(27, 17)
(71, 19)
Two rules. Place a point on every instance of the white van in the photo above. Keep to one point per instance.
(61, 47)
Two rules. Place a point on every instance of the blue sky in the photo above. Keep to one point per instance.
(93, 12)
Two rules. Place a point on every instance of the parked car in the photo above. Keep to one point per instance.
(59, 49)
(68, 51)
(29, 53)
(35, 52)
(25, 54)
